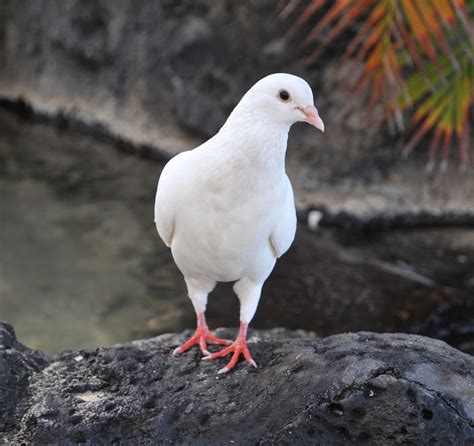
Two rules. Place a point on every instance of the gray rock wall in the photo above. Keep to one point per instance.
(165, 74)
(148, 71)
(356, 388)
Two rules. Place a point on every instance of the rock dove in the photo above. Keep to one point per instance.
(226, 208)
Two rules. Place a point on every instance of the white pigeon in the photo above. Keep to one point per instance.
(226, 209)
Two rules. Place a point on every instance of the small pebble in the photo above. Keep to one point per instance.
(314, 217)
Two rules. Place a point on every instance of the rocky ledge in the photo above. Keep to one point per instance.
(354, 388)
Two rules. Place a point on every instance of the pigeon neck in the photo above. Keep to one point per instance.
(260, 139)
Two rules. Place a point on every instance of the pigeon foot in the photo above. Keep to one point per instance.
(202, 336)
(238, 347)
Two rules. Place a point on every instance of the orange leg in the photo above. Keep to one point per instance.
(201, 337)
(238, 347)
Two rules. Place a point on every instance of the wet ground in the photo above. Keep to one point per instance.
(81, 264)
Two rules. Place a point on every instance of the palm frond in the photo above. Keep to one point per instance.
(409, 55)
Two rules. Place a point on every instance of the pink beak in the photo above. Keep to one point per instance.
(312, 116)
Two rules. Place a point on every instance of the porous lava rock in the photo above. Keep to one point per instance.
(353, 388)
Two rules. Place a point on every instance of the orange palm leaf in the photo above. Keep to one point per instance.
(403, 56)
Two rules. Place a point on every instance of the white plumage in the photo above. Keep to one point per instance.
(226, 209)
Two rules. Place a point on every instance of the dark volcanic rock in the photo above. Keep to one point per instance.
(360, 388)
(17, 364)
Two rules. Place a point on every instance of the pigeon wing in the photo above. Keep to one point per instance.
(167, 197)
(284, 232)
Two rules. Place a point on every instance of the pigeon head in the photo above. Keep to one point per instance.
(282, 98)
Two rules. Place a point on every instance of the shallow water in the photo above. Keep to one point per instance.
(81, 264)
(80, 261)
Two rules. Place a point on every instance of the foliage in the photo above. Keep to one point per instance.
(409, 55)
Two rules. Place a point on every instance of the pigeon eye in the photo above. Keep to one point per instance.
(283, 95)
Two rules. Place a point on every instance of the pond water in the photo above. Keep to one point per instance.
(81, 264)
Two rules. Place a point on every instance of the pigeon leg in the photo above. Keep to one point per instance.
(198, 291)
(202, 336)
(238, 347)
(248, 292)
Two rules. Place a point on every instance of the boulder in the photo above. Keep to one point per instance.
(353, 388)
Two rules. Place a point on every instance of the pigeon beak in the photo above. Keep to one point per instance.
(312, 116)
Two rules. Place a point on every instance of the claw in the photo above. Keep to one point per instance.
(177, 351)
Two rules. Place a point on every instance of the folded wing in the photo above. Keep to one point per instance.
(167, 197)
(284, 232)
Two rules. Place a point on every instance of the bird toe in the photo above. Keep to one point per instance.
(177, 351)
